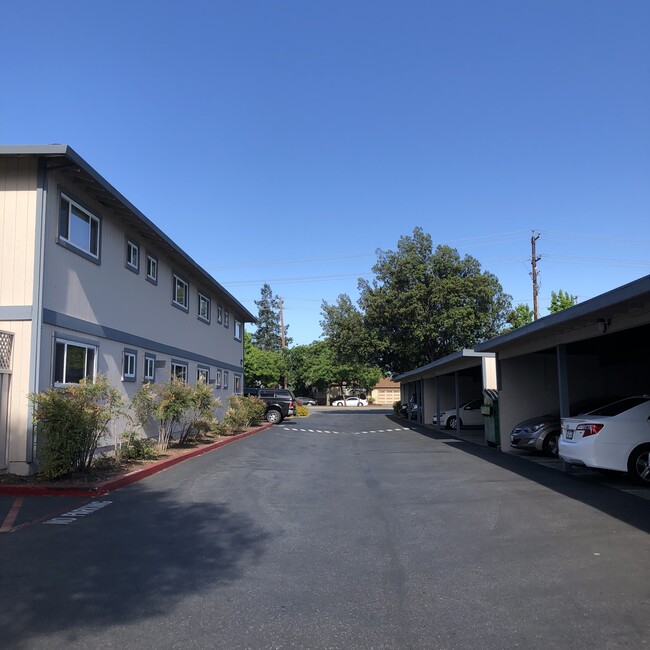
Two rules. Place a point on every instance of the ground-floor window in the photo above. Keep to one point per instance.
(203, 374)
(73, 362)
(179, 371)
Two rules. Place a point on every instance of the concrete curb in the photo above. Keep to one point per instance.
(99, 489)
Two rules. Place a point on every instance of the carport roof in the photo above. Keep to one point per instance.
(460, 360)
(589, 319)
(65, 159)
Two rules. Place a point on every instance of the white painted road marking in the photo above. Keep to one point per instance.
(73, 515)
(354, 433)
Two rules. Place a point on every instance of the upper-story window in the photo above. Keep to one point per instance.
(152, 268)
(132, 256)
(237, 330)
(181, 293)
(78, 228)
(219, 314)
(226, 318)
(204, 308)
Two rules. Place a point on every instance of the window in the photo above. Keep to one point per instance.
(78, 229)
(237, 330)
(225, 379)
(73, 362)
(179, 370)
(217, 379)
(152, 269)
(238, 384)
(219, 314)
(180, 297)
(149, 367)
(129, 365)
(132, 256)
(226, 318)
(203, 374)
(204, 308)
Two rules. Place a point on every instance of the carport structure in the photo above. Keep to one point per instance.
(595, 351)
(448, 382)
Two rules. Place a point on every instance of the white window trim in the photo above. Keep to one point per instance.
(184, 306)
(132, 246)
(226, 318)
(91, 217)
(129, 359)
(205, 319)
(237, 330)
(149, 377)
(178, 364)
(152, 278)
(67, 342)
(219, 314)
(225, 379)
(217, 378)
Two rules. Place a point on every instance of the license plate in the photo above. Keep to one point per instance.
(569, 435)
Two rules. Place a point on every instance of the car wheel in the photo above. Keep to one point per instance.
(638, 465)
(273, 416)
(550, 444)
(451, 422)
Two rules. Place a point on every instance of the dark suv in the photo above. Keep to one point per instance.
(280, 402)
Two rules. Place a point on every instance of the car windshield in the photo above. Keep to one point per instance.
(620, 407)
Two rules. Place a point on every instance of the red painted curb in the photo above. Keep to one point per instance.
(111, 485)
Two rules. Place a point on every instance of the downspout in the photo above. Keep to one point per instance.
(37, 298)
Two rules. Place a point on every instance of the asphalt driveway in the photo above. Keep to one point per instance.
(349, 529)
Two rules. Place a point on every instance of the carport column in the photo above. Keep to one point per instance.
(438, 400)
(457, 389)
(563, 388)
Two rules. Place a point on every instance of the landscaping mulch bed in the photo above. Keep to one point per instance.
(103, 473)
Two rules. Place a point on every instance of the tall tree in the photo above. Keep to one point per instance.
(262, 367)
(423, 305)
(561, 300)
(268, 333)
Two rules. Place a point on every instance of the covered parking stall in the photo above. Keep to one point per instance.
(447, 384)
(596, 351)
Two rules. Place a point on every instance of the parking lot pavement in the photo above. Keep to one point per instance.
(614, 480)
(18, 512)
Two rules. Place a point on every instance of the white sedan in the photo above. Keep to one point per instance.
(469, 412)
(350, 401)
(614, 437)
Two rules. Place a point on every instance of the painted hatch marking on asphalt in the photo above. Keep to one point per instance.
(73, 515)
(353, 433)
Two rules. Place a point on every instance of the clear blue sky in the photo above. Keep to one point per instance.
(285, 141)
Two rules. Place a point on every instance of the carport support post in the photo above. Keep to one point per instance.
(438, 402)
(457, 389)
(563, 389)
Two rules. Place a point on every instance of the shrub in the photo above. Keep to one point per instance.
(70, 423)
(397, 406)
(302, 411)
(242, 413)
(176, 408)
(135, 446)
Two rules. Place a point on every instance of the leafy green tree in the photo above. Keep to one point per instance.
(268, 333)
(521, 315)
(343, 325)
(423, 305)
(262, 367)
(561, 300)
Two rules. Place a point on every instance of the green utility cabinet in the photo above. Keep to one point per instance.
(490, 411)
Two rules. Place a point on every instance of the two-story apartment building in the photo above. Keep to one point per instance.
(90, 285)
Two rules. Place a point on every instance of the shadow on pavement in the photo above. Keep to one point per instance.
(616, 503)
(136, 559)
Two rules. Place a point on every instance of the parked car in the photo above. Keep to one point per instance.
(280, 402)
(350, 400)
(542, 433)
(613, 437)
(470, 415)
(307, 401)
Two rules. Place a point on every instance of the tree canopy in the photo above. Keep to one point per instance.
(268, 333)
(262, 367)
(561, 300)
(521, 315)
(423, 304)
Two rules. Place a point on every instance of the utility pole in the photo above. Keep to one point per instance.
(282, 341)
(534, 258)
